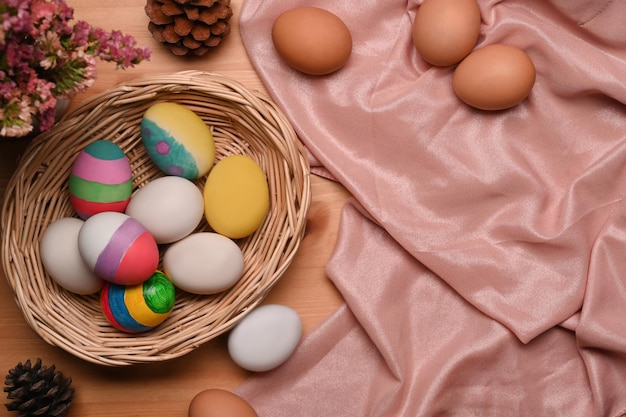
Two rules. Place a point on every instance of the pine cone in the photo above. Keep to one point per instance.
(38, 390)
(186, 26)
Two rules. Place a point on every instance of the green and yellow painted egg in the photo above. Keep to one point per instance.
(177, 140)
(141, 307)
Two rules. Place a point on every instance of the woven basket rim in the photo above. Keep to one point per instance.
(243, 122)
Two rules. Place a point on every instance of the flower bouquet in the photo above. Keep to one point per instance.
(45, 55)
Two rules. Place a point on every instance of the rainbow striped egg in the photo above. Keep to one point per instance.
(117, 248)
(100, 179)
(141, 307)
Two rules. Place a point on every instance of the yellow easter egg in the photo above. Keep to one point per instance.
(236, 196)
(177, 140)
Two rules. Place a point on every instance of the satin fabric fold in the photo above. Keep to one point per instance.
(516, 217)
(427, 353)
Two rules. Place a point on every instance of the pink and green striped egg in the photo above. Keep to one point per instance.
(100, 179)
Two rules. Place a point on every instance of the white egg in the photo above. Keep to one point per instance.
(265, 338)
(61, 258)
(169, 207)
(203, 263)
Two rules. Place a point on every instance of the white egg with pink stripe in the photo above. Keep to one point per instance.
(118, 248)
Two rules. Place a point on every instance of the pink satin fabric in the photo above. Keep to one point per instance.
(483, 259)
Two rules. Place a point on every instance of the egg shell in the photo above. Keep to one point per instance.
(100, 179)
(141, 307)
(216, 402)
(494, 77)
(62, 261)
(446, 31)
(203, 263)
(312, 40)
(118, 248)
(236, 196)
(177, 140)
(265, 338)
(169, 207)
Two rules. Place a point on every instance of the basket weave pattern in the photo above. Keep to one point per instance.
(243, 122)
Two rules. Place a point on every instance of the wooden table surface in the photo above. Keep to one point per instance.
(167, 388)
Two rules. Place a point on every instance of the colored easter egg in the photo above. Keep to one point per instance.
(204, 263)
(177, 140)
(169, 207)
(61, 259)
(100, 179)
(141, 307)
(236, 196)
(265, 338)
(118, 248)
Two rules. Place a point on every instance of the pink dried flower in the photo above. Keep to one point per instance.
(44, 54)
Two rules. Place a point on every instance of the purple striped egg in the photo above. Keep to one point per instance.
(117, 248)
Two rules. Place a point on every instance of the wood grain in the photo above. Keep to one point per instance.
(167, 388)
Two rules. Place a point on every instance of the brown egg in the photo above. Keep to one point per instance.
(445, 31)
(220, 403)
(312, 40)
(494, 77)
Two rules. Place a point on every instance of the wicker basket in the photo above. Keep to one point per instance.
(243, 122)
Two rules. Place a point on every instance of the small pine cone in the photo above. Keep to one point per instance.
(189, 26)
(37, 390)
